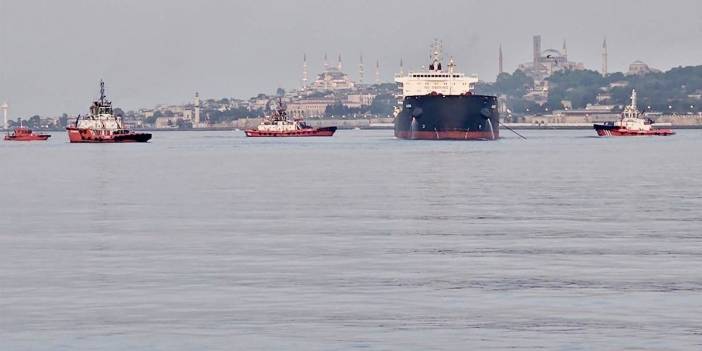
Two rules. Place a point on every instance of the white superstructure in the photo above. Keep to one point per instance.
(436, 80)
(101, 116)
(279, 126)
(278, 121)
(631, 117)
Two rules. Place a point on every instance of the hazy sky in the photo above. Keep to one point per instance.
(53, 52)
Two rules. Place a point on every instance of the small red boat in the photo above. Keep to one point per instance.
(631, 124)
(278, 125)
(25, 134)
(102, 126)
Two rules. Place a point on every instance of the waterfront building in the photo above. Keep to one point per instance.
(168, 122)
(590, 114)
(309, 108)
(359, 100)
(316, 107)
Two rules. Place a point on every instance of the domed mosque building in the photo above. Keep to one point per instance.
(638, 68)
(548, 61)
(332, 79)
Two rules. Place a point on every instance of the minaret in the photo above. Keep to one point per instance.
(537, 50)
(565, 49)
(326, 63)
(196, 104)
(361, 71)
(604, 57)
(377, 71)
(304, 71)
(338, 65)
(4, 114)
(500, 67)
(402, 67)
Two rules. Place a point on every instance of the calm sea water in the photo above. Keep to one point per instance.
(211, 241)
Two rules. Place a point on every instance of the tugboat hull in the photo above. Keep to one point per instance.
(37, 137)
(448, 117)
(312, 132)
(605, 130)
(25, 134)
(80, 135)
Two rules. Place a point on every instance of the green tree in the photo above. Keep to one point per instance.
(63, 121)
(183, 124)
(34, 122)
(383, 105)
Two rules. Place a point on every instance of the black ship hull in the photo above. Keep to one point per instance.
(448, 117)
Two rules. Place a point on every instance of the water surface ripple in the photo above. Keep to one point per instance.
(211, 241)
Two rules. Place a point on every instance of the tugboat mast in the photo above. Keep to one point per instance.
(102, 91)
(632, 110)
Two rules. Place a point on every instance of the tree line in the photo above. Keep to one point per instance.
(673, 91)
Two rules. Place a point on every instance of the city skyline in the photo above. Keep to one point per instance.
(152, 53)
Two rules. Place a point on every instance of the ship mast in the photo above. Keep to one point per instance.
(451, 66)
(102, 92)
(632, 110)
(633, 99)
(435, 58)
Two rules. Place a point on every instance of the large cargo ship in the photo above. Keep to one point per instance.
(102, 126)
(439, 104)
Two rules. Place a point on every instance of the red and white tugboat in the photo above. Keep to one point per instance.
(102, 126)
(25, 134)
(631, 124)
(278, 125)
